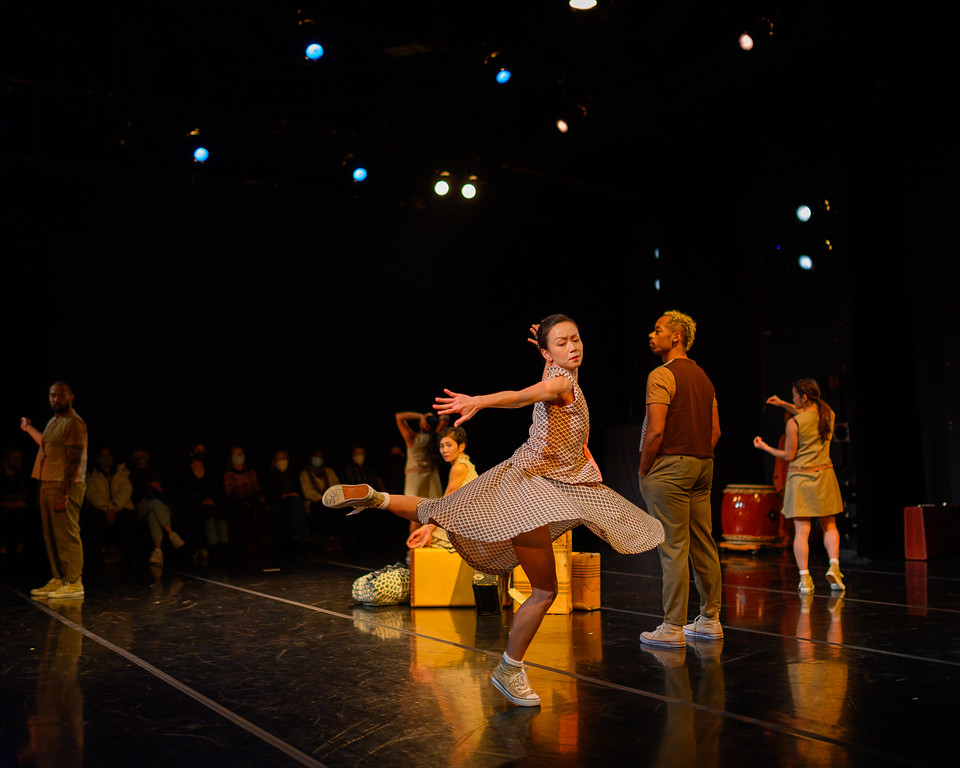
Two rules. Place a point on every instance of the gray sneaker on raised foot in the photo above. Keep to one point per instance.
(356, 496)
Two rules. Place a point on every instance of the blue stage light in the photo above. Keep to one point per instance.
(503, 76)
(360, 174)
(314, 51)
(805, 262)
(200, 154)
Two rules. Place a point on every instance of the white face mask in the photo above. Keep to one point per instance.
(316, 461)
(282, 464)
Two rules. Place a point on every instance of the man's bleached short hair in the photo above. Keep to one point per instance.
(684, 324)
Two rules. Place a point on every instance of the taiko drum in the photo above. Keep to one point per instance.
(750, 514)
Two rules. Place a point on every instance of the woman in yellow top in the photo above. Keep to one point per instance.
(811, 486)
(453, 449)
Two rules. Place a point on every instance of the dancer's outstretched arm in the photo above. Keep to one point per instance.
(558, 390)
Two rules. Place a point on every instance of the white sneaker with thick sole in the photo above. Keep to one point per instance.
(708, 629)
(46, 589)
(835, 577)
(512, 682)
(356, 496)
(665, 636)
(67, 591)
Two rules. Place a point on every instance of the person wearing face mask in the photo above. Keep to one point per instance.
(359, 532)
(111, 518)
(325, 529)
(241, 486)
(203, 506)
(282, 491)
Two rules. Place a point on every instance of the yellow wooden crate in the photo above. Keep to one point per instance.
(585, 581)
(439, 578)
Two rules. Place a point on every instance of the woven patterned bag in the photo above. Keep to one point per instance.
(385, 586)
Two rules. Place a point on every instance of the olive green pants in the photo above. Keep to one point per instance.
(677, 493)
(61, 530)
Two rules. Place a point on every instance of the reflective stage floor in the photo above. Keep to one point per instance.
(247, 666)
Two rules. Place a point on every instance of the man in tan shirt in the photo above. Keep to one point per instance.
(61, 468)
(680, 431)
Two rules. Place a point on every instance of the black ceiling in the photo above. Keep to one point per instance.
(650, 89)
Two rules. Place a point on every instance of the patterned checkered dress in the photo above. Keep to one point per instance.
(548, 481)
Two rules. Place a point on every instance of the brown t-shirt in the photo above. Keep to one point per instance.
(51, 461)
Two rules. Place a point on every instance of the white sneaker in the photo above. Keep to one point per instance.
(356, 496)
(835, 578)
(665, 636)
(156, 557)
(512, 682)
(175, 540)
(46, 589)
(67, 591)
(709, 629)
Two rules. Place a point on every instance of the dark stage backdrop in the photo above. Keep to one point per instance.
(210, 306)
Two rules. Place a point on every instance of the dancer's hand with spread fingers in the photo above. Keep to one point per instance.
(465, 405)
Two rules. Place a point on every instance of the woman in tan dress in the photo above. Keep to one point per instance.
(512, 513)
(811, 489)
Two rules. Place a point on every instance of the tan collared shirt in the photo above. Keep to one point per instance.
(51, 461)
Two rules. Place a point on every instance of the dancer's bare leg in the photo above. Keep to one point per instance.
(535, 553)
(831, 536)
(801, 541)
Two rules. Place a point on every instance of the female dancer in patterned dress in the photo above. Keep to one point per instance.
(512, 513)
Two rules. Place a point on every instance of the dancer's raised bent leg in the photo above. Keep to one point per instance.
(362, 496)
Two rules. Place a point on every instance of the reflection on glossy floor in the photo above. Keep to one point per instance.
(238, 666)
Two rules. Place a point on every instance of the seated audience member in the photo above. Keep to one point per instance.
(325, 528)
(246, 518)
(363, 532)
(111, 530)
(151, 502)
(202, 506)
(282, 491)
(358, 471)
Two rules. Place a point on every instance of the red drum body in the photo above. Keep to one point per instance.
(750, 514)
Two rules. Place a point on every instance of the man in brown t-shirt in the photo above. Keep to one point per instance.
(680, 431)
(61, 468)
